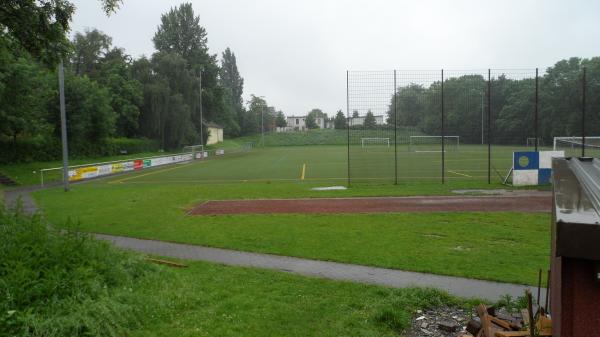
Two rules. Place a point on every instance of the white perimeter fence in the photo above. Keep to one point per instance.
(95, 170)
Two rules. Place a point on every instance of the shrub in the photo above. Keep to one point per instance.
(64, 283)
(46, 149)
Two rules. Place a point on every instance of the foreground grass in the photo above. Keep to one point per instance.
(57, 283)
(212, 300)
(64, 284)
(488, 246)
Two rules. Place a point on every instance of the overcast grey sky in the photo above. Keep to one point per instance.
(295, 53)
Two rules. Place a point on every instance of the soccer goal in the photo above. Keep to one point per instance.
(370, 142)
(433, 143)
(531, 142)
(573, 145)
(197, 151)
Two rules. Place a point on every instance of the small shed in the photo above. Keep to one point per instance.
(215, 133)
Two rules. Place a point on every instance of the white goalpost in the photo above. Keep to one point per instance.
(575, 144)
(531, 142)
(366, 142)
(197, 151)
(433, 143)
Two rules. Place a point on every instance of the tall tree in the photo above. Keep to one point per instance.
(91, 119)
(40, 26)
(88, 50)
(311, 122)
(315, 116)
(233, 84)
(340, 121)
(370, 122)
(180, 34)
(24, 91)
(280, 121)
(230, 77)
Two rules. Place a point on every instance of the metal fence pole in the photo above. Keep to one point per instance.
(535, 117)
(395, 133)
(348, 124)
(583, 98)
(63, 125)
(443, 133)
(489, 107)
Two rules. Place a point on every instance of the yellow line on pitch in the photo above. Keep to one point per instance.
(460, 174)
(303, 171)
(147, 174)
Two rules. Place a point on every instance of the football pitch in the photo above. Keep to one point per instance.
(329, 163)
(155, 204)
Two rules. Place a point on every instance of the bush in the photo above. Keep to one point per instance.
(132, 145)
(331, 136)
(64, 283)
(44, 149)
(34, 149)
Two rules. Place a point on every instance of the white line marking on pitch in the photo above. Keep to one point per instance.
(460, 174)
(303, 171)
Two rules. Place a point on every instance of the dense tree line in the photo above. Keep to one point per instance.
(511, 101)
(110, 95)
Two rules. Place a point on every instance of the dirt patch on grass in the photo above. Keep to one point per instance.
(525, 203)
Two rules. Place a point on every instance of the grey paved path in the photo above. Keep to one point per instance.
(22, 194)
(339, 271)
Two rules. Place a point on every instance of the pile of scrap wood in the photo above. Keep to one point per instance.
(491, 324)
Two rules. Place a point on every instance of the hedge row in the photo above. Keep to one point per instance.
(44, 150)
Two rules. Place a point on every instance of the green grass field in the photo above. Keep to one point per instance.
(153, 204)
(329, 164)
(212, 300)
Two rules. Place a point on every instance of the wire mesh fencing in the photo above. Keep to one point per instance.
(448, 125)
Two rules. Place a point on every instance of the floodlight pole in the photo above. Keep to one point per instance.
(262, 124)
(63, 125)
(201, 117)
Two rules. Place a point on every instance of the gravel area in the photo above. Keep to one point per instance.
(440, 322)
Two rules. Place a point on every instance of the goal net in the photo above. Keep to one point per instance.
(197, 151)
(433, 143)
(573, 146)
(375, 142)
(531, 142)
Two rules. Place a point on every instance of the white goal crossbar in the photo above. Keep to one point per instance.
(576, 142)
(377, 141)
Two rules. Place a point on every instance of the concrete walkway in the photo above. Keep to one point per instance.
(458, 286)
(13, 196)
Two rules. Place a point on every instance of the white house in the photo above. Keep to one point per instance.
(360, 120)
(298, 123)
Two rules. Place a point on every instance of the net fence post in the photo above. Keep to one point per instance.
(395, 134)
(63, 126)
(348, 126)
(443, 131)
(583, 99)
(535, 118)
(489, 126)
